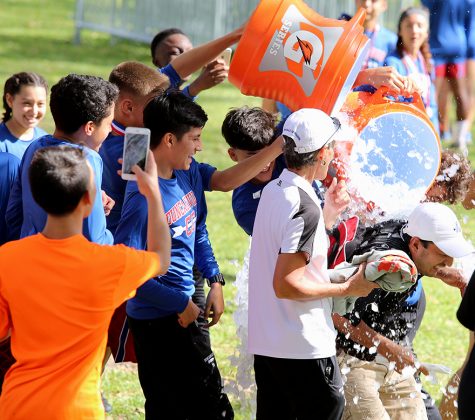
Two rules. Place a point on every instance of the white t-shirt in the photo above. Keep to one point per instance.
(288, 220)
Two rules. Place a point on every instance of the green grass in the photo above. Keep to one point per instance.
(37, 36)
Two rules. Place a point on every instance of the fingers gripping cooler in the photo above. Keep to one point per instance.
(290, 53)
(391, 154)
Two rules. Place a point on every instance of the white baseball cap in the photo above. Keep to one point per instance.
(437, 223)
(310, 129)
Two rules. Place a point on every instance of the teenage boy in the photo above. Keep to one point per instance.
(59, 349)
(377, 344)
(82, 108)
(291, 332)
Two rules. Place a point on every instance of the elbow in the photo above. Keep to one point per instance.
(281, 292)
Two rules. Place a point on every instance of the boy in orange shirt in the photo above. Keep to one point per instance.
(58, 290)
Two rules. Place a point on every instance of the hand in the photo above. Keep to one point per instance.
(382, 76)
(212, 74)
(189, 315)
(453, 277)
(336, 201)
(214, 304)
(147, 180)
(410, 86)
(357, 285)
(107, 202)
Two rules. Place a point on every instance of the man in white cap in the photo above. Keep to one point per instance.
(291, 332)
(376, 337)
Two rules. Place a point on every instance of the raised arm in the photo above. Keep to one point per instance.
(192, 60)
(244, 171)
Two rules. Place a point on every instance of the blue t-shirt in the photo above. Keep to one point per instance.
(9, 166)
(26, 218)
(447, 30)
(11, 144)
(111, 150)
(430, 101)
(175, 80)
(185, 209)
(470, 29)
(382, 42)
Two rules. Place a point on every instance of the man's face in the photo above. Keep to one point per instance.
(170, 48)
(428, 260)
(373, 8)
(265, 175)
(101, 130)
(185, 148)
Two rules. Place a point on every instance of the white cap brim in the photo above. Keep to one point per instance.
(455, 247)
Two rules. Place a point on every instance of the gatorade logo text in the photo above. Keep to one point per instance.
(300, 49)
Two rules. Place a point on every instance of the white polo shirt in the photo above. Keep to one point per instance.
(288, 220)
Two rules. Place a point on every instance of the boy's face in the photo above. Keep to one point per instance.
(373, 8)
(184, 149)
(170, 48)
(238, 155)
(101, 130)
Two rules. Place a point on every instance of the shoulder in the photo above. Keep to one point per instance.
(390, 36)
(393, 59)
(39, 132)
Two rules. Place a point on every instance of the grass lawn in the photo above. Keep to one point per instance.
(36, 35)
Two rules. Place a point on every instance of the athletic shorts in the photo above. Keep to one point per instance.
(451, 70)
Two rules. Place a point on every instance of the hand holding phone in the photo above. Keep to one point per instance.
(226, 56)
(136, 146)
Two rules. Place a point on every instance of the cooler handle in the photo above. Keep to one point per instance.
(385, 94)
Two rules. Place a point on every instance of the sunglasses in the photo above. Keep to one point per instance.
(331, 143)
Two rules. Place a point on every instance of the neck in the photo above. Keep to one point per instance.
(58, 134)
(307, 172)
(164, 168)
(411, 52)
(18, 131)
(62, 227)
(370, 25)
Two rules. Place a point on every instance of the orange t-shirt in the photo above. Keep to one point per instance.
(58, 296)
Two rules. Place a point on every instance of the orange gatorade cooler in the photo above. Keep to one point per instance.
(290, 53)
(391, 153)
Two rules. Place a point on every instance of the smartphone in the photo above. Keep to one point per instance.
(136, 145)
(226, 56)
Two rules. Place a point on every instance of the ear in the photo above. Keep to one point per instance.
(89, 128)
(169, 140)
(9, 99)
(126, 106)
(415, 245)
(232, 154)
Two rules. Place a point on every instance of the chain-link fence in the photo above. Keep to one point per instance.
(201, 20)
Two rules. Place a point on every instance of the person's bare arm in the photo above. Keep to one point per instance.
(367, 337)
(244, 171)
(290, 282)
(189, 62)
(381, 76)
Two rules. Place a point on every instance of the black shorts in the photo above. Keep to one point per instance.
(298, 389)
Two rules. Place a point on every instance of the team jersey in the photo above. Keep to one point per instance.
(11, 144)
(382, 42)
(417, 70)
(447, 29)
(9, 166)
(25, 217)
(185, 209)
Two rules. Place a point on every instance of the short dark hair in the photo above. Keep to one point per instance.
(59, 177)
(77, 99)
(161, 36)
(294, 159)
(13, 85)
(173, 113)
(248, 128)
(138, 79)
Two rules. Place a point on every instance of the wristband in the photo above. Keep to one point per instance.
(218, 278)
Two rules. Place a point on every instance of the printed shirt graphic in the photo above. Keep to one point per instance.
(185, 210)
